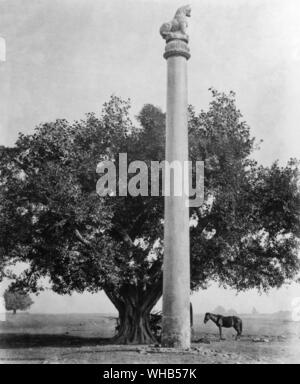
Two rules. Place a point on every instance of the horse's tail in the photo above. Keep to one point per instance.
(241, 326)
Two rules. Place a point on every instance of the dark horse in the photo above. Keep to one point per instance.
(225, 322)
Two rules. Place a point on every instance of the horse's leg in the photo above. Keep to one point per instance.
(238, 335)
(221, 337)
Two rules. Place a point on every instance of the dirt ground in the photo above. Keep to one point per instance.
(52, 339)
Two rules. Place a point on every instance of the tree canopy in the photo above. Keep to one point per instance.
(245, 235)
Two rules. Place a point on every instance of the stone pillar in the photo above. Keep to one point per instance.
(176, 332)
(2, 309)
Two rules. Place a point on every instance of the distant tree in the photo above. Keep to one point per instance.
(246, 233)
(254, 311)
(220, 310)
(17, 301)
(232, 312)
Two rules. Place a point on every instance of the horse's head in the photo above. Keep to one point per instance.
(206, 318)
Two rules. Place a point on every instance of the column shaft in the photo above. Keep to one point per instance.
(176, 266)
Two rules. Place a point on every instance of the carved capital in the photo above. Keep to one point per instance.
(177, 27)
(177, 47)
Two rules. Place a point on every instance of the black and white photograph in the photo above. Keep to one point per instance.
(149, 185)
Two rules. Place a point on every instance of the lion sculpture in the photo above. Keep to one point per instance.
(176, 29)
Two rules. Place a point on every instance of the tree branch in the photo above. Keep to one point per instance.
(153, 294)
(122, 234)
(82, 239)
(155, 269)
(203, 222)
(113, 298)
(139, 220)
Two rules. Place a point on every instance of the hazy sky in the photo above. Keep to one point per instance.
(66, 57)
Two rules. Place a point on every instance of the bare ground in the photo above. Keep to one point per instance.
(86, 339)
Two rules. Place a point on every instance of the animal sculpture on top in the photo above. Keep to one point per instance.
(177, 28)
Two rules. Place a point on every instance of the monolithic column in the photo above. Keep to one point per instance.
(176, 263)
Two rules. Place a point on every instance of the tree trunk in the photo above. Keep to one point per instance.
(134, 327)
(14, 311)
(134, 305)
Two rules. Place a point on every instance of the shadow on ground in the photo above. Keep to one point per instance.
(16, 340)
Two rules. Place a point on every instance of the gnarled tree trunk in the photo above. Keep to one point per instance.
(134, 326)
(134, 304)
